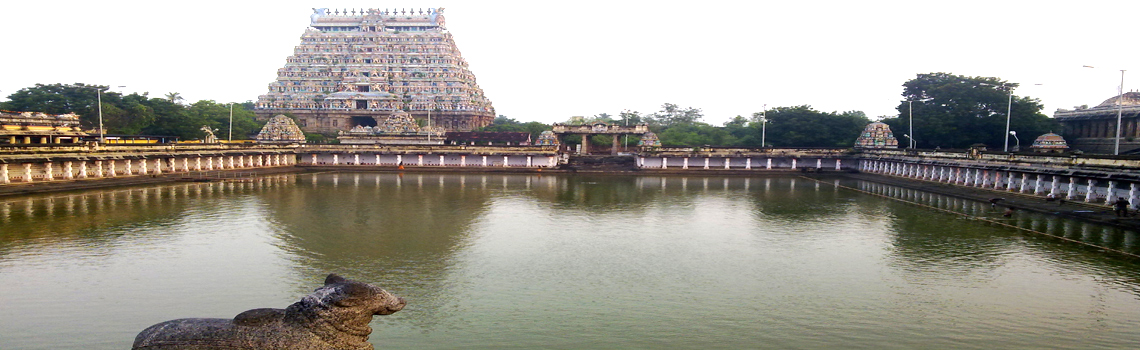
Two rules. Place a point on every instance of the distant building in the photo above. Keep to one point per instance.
(877, 135)
(39, 128)
(356, 67)
(1094, 129)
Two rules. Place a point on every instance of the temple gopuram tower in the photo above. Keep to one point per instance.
(358, 67)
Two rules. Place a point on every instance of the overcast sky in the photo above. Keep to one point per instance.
(547, 61)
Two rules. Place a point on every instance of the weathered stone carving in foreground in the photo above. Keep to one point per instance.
(335, 316)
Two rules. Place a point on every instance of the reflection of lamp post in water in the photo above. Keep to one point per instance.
(1018, 146)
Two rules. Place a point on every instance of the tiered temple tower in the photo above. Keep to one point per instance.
(358, 67)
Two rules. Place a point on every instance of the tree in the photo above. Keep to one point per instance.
(953, 111)
(57, 98)
(629, 117)
(217, 116)
(696, 134)
(504, 124)
(174, 97)
(802, 126)
(671, 115)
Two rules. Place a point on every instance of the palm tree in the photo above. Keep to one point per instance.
(174, 97)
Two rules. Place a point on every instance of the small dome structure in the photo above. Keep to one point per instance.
(1129, 98)
(280, 129)
(877, 135)
(1050, 142)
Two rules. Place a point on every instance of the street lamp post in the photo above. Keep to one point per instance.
(1008, 114)
(763, 126)
(910, 123)
(99, 100)
(1014, 134)
(1119, 111)
(231, 137)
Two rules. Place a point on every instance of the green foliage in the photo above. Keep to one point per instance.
(504, 124)
(696, 134)
(953, 111)
(628, 117)
(802, 126)
(136, 114)
(316, 138)
(671, 115)
(75, 98)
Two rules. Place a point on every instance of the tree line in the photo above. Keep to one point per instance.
(136, 114)
(947, 111)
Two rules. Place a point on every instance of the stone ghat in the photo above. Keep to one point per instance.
(1091, 179)
(27, 164)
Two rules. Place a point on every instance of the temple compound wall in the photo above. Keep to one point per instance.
(68, 163)
(357, 67)
(1094, 180)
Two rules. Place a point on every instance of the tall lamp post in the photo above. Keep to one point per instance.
(1008, 114)
(1119, 111)
(99, 99)
(910, 123)
(231, 137)
(763, 126)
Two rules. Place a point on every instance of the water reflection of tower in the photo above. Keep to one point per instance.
(378, 227)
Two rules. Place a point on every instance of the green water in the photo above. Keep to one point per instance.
(564, 262)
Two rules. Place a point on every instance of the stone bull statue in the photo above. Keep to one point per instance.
(335, 316)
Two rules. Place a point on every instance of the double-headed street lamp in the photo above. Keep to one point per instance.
(1119, 111)
(99, 98)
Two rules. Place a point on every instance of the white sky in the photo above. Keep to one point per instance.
(547, 61)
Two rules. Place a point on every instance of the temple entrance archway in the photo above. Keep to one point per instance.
(363, 121)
